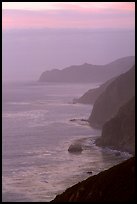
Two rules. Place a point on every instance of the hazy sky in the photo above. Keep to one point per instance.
(44, 35)
(68, 14)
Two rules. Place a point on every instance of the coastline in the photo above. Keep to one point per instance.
(72, 194)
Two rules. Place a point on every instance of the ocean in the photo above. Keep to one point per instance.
(36, 133)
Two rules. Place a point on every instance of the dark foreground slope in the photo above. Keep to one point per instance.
(119, 132)
(117, 93)
(86, 73)
(116, 184)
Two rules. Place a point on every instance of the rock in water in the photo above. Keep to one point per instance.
(74, 148)
(73, 120)
(89, 172)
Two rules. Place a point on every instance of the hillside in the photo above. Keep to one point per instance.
(117, 93)
(91, 95)
(119, 132)
(86, 73)
(116, 184)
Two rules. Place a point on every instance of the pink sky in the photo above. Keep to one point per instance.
(21, 15)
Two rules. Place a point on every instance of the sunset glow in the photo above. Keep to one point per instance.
(17, 15)
(68, 5)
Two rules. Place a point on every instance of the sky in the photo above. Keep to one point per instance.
(68, 14)
(43, 35)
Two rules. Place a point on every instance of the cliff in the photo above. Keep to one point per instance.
(116, 184)
(86, 73)
(91, 95)
(119, 132)
(117, 93)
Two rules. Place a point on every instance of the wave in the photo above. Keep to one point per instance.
(18, 103)
(33, 114)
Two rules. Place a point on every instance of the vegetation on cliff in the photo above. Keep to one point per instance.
(116, 184)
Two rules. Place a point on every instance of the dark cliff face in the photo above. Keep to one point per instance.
(115, 95)
(119, 132)
(90, 96)
(116, 184)
(87, 72)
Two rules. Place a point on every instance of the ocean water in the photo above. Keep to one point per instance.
(36, 135)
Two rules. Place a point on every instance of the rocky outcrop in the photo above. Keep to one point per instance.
(116, 184)
(117, 93)
(91, 95)
(75, 148)
(119, 132)
(87, 72)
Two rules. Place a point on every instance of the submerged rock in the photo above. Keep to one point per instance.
(72, 120)
(89, 172)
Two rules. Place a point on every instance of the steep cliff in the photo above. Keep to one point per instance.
(117, 93)
(91, 95)
(116, 184)
(119, 132)
(86, 73)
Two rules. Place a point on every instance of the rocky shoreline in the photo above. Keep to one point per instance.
(114, 113)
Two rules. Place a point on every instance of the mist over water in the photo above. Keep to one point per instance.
(32, 51)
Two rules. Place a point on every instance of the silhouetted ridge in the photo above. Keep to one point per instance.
(87, 72)
(115, 95)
